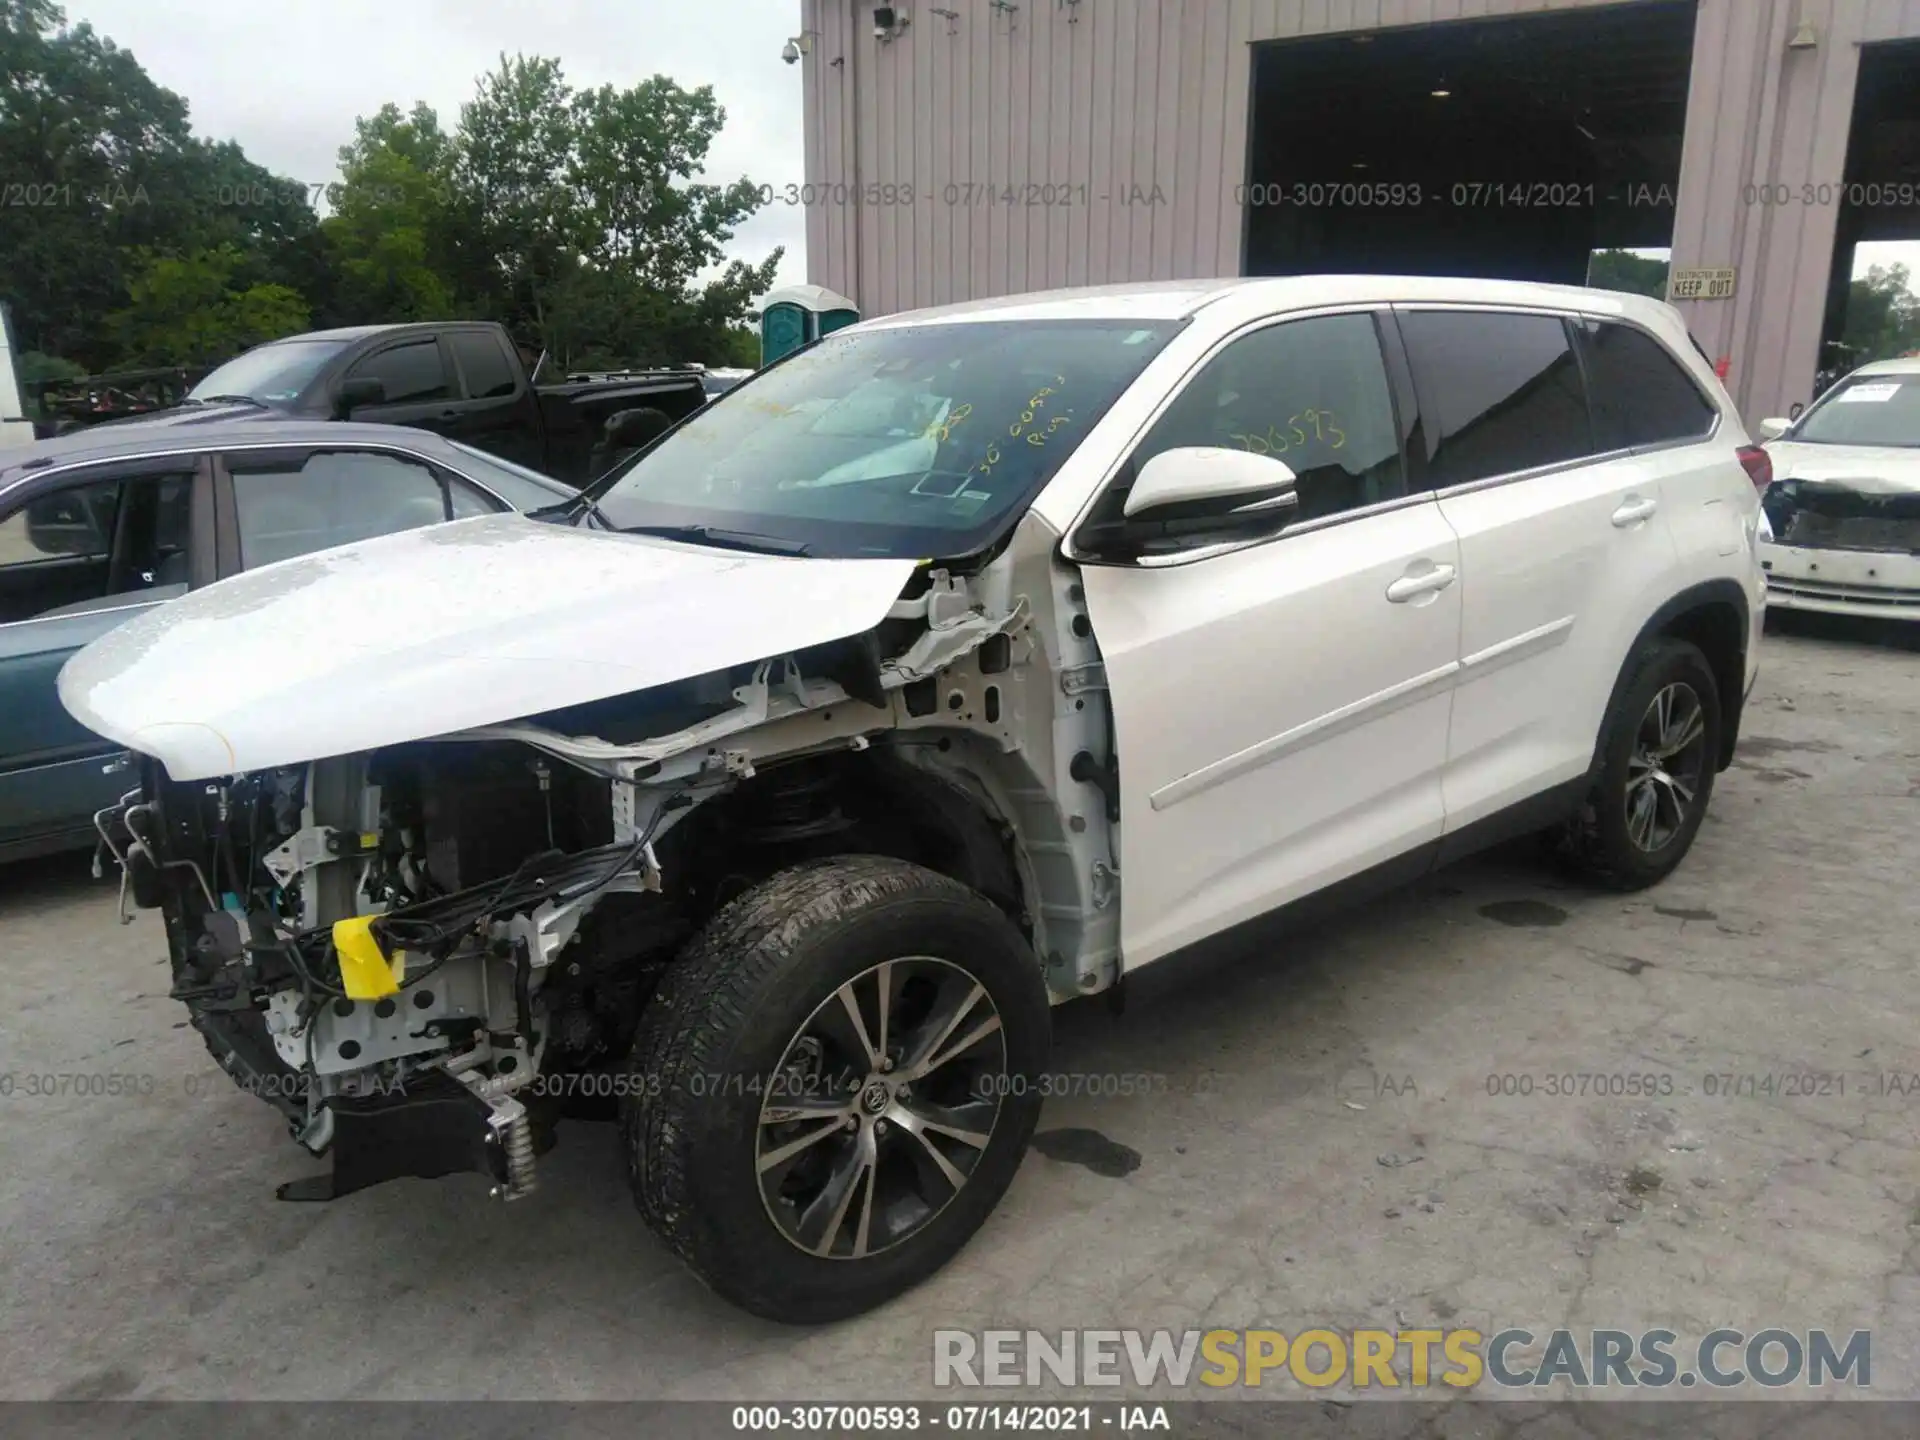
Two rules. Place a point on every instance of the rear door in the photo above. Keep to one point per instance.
(1564, 542)
(78, 555)
(1280, 700)
(497, 410)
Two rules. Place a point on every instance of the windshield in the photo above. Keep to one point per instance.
(913, 442)
(272, 374)
(1866, 410)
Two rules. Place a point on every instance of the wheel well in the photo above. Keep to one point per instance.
(870, 803)
(1719, 630)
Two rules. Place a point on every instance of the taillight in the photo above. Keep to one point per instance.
(1759, 466)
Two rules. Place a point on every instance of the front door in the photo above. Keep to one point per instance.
(421, 388)
(1281, 702)
(79, 555)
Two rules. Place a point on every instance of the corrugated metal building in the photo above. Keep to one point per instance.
(985, 147)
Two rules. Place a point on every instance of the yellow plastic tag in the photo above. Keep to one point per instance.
(365, 971)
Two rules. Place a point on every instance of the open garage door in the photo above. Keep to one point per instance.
(1509, 148)
(1879, 207)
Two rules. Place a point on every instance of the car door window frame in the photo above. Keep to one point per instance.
(198, 464)
(489, 337)
(455, 384)
(1581, 343)
(225, 509)
(1405, 422)
(1566, 317)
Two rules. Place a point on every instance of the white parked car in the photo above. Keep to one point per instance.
(1842, 531)
(967, 661)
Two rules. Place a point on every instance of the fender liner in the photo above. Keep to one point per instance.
(1723, 595)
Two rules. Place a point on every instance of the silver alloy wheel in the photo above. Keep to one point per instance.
(881, 1106)
(1665, 770)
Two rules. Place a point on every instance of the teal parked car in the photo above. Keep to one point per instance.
(110, 521)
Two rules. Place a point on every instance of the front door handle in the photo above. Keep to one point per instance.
(1633, 510)
(1414, 584)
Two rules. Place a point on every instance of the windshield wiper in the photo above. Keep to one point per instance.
(567, 511)
(231, 399)
(725, 539)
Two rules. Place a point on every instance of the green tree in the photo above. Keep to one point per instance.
(511, 158)
(390, 236)
(1883, 316)
(199, 309)
(739, 348)
(584, 224)
(111, 167)
(1624, 270)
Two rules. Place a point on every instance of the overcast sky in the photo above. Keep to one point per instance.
(287, 81)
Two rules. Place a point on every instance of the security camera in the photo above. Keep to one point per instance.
(885, 21)
(790, 52)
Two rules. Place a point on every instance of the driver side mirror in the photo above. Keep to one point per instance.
(356, 391)
(1203, 472)
(1798, 407)
(1774, 427)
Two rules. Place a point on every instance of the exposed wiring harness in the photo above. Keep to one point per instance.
(436, 927)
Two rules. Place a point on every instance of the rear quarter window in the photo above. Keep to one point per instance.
(1641, 394)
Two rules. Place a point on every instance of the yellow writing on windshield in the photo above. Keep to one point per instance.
(1033, 424)
(942, 429)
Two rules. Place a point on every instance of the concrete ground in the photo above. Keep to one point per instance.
(1318, 1145)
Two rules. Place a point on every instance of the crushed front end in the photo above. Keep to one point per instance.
(426, 954)
(1843, 547)
(368, 943)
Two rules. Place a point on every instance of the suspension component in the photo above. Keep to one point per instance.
(513, 1131)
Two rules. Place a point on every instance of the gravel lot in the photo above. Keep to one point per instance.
(1320, 1146)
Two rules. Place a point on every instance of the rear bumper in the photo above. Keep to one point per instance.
(1873, 584)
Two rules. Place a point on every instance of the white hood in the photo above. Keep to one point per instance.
(1872, 469)
(443, 629)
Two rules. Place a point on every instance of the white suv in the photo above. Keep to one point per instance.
(964, 662)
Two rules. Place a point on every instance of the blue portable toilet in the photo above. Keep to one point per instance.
(797, 315)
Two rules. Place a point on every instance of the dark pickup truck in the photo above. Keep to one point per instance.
(464, 379)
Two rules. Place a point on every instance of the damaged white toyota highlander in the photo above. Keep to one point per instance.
(965, 662)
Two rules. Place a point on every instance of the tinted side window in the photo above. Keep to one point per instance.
(1310, 392)
(411, 372)
(1500, 393)
(332, 497)
(483, 364)
(1641, 396)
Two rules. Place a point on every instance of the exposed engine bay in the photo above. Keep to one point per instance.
(425, 955)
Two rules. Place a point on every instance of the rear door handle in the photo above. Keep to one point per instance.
(1633, 510)
(1430, 581)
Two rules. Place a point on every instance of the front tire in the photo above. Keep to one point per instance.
(834, 1086)
(1657, 770)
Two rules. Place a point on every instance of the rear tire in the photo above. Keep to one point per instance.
(803, 1164)
(1658, 761)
